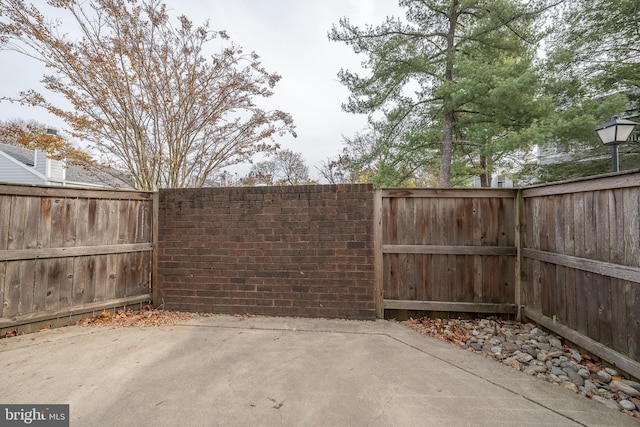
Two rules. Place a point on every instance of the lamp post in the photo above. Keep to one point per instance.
(613, 133)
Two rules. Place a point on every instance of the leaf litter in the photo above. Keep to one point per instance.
(147, 316)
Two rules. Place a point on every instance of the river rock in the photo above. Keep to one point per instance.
(620, 386)
(612, 372)
(633, 384)
(570, 386)
(524, 357)
(555, 343)
(604, 376)
(628, 405)
(576, 355)
(574, 377)
(510, 347)
(583, 373)
(590, 387)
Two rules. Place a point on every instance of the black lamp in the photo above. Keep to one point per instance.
(613, 133)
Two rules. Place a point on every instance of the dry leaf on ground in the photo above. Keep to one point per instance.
(147, 316)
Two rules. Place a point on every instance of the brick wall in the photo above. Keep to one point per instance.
(288, 251)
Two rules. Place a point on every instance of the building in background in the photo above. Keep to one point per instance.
(20, 165)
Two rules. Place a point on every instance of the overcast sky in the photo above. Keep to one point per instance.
(290, 36)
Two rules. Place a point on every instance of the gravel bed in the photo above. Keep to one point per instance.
(529, 349)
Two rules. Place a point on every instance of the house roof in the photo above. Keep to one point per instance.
(92, 175)
(23, 155)
(97, 175)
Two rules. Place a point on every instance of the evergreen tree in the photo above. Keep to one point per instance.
(454, 78)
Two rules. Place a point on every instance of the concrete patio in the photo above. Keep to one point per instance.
(225, 370)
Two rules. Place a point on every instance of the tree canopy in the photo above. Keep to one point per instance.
(592, 72)
(35, 136)
(453, 76)
(143, 92)
(285, 167)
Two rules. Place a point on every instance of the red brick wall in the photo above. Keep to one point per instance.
(286, 251)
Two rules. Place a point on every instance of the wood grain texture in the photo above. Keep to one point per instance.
(582, 256)
(57, 248)
(449, 245)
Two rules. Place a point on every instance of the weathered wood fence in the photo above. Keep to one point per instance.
(566, 256)
(65, 252)
(448, 250)
(582, 263)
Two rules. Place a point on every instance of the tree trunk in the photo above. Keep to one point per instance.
(447, 124)
(447, 151)
(485, 176)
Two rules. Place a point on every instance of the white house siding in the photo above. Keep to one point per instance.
(51, 168)
(56, 170)
(17, 173)
(40, 162)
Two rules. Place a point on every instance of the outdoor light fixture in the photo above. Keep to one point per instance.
(613, 133)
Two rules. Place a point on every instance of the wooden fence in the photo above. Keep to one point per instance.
(582, 262)
(447, 250)
(567, 255)
(65, 252)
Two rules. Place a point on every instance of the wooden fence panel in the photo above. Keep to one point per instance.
(582, 261)
(449, 250)
(66, 251)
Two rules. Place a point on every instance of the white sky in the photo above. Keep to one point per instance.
(290, 36)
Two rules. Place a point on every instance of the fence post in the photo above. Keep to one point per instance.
(378, 259)
(154, 255)
(519, 204)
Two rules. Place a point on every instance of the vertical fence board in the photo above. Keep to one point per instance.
(560, 306)
(124, 274)
(619, 288)
(12, 289)
(83, 234)
(631, 209)
(15, 235)
(603, 254)
(5, 223)
(123, 222)
(590, 280)
(3, 275)
(579, 245)
(113, 276)
(633, 322)
(568, 244)
(5, 220)
(70, 216)
(28, 286)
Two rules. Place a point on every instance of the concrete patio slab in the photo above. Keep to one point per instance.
(225, 370)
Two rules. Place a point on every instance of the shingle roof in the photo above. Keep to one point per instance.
(77, 174)
(21, 154)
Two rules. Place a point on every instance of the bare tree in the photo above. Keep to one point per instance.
(285, 168)
(142, 91)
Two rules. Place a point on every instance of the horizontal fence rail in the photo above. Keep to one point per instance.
(65, 252)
